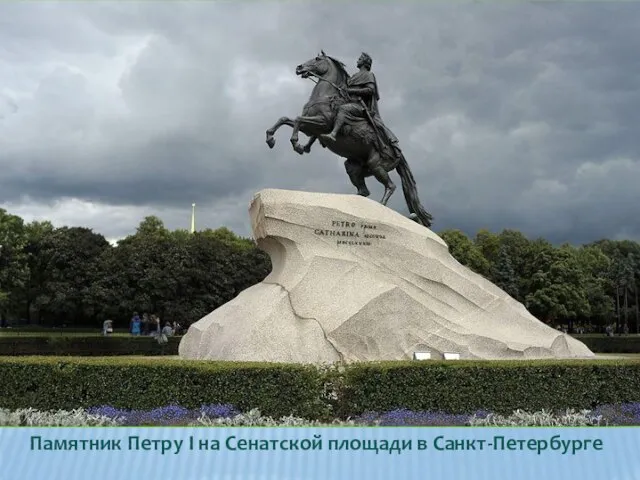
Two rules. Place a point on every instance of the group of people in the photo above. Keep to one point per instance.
(611, 330)
(146, 325)
(151, 325)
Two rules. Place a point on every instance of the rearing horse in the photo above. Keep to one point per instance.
(357, 143)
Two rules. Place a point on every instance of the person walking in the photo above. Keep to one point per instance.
(136, 324)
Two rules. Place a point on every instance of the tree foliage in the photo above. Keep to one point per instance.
(465, 251)
(73, 276)
(13, 261)
(592, 284)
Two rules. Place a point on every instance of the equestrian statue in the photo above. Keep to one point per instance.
(342, 114)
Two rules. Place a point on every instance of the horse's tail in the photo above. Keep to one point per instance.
(411, 192)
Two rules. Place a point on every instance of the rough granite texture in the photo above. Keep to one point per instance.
(326, 302)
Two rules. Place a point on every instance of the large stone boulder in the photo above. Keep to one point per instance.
(353, 280)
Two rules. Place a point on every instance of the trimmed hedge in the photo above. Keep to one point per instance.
(280, 389)
(86, 346)
(64, 383)
(497, 386)
(97, 345)
(617, 344)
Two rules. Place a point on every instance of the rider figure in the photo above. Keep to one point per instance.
(363, 85)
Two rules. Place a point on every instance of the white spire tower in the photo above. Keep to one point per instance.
(193, 218)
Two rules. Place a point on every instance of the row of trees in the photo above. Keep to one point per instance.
(594, 284)
(74, 276)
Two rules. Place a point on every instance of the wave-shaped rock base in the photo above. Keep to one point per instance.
(353, 280)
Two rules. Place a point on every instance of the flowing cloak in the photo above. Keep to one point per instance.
(366, 79)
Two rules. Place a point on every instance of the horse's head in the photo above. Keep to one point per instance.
(318, 66)
(323, 66)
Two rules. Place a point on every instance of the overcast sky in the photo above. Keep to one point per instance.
(511, 116)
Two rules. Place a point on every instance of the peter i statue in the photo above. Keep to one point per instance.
(362, 89)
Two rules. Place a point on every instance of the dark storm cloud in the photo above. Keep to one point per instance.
(511, 116)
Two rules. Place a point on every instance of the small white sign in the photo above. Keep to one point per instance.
(422, 355)
(452, 356)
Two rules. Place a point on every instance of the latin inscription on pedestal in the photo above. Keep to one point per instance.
(351, 233)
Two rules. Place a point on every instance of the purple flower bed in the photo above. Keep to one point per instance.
(171, 415)
(175, 415)
(408, 418)
(621, 415)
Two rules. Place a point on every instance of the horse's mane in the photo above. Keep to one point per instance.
(341, 68)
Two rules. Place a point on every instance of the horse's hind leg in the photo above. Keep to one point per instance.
(271, 132)
(356, 175)
(375, 167)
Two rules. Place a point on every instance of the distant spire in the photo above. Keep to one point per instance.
(193, 218)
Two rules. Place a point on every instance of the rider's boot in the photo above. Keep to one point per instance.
(336, 128)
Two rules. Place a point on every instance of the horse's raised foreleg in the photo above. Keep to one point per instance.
(302, 122)
(271, 132)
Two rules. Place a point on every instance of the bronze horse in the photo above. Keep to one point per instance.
(358, 143)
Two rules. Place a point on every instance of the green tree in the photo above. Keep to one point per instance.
(144, 265)
(621, 275)
(465, 251)
(225, 235)
(489, 245)
(596, 266)
(37, 264)
(516, 246)
(558, 288)
(68, 265)
(624, 275)
(109, 292)
(503, 274)
(177, 275)
(152, 226)
(13, 264)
